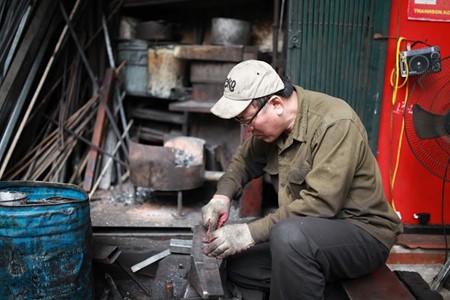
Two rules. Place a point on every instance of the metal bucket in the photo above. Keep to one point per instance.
(165, 72)
(45, 242)
(134, 52)
(226, 31)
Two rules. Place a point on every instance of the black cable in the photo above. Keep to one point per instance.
(442, 211)
(420, 42)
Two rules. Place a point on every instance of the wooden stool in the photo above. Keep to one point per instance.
(380, 284)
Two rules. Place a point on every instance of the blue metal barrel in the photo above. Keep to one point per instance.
(45, 242)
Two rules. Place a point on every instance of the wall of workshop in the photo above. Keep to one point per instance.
(414, 189)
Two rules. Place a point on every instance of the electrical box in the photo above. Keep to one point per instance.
(420, 61)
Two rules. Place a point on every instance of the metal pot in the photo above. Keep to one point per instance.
(176, 166)
(155, 31)
(226, 31)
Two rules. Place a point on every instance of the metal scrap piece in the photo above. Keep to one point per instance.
(106, 253)
(204, 274)
(150, 260)
(180, 246)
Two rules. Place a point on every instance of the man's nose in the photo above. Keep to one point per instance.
(248, 128)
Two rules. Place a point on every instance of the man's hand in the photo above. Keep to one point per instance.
(229, 240)
(215, 213)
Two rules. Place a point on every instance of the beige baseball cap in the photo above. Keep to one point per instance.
(247, 80)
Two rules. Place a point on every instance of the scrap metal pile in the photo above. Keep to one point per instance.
(60, 93)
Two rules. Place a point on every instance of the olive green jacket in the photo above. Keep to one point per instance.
(324, 168)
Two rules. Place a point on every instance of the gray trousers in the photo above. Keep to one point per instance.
(303, 254)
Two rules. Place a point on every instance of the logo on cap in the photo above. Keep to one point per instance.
(230, 84)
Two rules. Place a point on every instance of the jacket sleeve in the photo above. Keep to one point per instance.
(246, 164)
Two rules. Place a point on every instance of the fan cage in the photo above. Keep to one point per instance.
(432, 92)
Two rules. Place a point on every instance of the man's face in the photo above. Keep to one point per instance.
(262, 122)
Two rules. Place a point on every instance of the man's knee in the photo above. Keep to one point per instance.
(287, 236)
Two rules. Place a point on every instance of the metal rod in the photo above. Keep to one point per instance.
(116, 86)
(12, 18)
(440, 277)
(94, 188)
(179, 203)
(119, 180)
(16, 39)
(119, 100)
(108, 43)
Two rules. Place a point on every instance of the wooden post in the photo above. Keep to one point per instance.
(99, 129)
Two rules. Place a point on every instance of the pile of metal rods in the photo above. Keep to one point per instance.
(74, 87)
(54, 149)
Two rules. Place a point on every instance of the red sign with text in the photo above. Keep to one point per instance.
(429, 10)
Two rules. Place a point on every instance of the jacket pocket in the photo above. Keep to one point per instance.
(272, 171)
(296, 178)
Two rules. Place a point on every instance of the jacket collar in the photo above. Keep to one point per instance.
(298, 132)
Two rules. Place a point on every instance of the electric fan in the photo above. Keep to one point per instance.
(427, 120)
(427, 128)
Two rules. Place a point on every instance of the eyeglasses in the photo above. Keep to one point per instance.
(249, 121)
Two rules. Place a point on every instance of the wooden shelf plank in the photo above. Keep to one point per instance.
(215, 53)
(192, 106)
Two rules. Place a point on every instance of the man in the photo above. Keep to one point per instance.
(333, 220)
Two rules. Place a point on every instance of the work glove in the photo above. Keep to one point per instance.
(229, 240)
(215, 213)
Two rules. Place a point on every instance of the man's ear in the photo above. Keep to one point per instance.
(277, 103)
